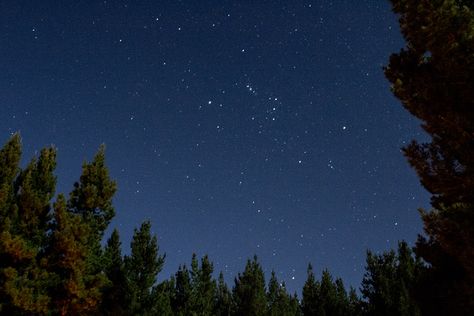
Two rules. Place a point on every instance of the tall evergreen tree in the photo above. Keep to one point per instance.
(223, 299)
(162, 298)
(35, 187)
(295, 307)
(114, 300)
(24, 223)
(333, 296)
(279, 303)
(91, 199)
(273, 295)
(342, 301)
(92, 195)
(12, 248)
(310, 304)
(355, 305)
(327, 294)
(388, 283)
(10, 155)
(325, 297)
(447, 284)
(249, 293)
(434, 79)
(181, 300)
(203, 287)
(75, 292)
(142, 268)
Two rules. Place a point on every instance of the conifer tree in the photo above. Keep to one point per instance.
(327, 293)
(35, 187)
(10, 155)
(75, 292)
(181, 301)
(355, 305)
(12, 248)
(114, 300)
(24, 224)
(447, 284)
(279, 303)
(249, 293)
(433, 78)
(142, 268)
(92, 195)
(388, 283)
(328, 296)
(310, 304)
(294, 307)
(162, 298)
(223, 300)
(203, 287)
(272, 295)
(91, 199)
(342, 301)
(325, 297)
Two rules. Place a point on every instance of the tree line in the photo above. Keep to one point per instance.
(52, 261)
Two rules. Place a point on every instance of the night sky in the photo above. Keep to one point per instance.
(236, 127)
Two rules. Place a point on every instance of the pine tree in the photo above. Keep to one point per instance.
(355, 305)
(279, 303)
(75, 291)
(142, 268)
(25, 206)
(223, 299)
(328, 296)
(325, 297)
(433, 78)
(249, 290)
(272, 295)
(114, 300)
(91, 199)
(181, 301)
(203, 287)
(311, 304)
(294, 307)
(447, 284)
(342, 307)
(92, 195)
(388, 283)
(35, 187)
(162, 298)
(12, 248)
(10, 156)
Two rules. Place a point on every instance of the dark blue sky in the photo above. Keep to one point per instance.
(237, 127)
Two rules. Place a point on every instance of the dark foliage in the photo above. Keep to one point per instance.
(434, 79)
(249, 290)
(388, 284)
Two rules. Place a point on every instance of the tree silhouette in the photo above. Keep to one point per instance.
(249, 290)
(142, 268)
(433, 76)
